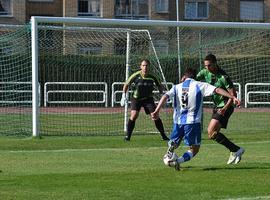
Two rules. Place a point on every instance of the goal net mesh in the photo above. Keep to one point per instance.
(15, 80)
(82, 69)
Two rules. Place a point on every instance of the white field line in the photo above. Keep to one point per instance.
(249, 198)
(108, 149)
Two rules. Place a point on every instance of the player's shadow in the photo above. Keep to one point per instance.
(234, 167)
(249, 166)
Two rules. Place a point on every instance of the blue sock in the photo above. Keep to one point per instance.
(185, 157)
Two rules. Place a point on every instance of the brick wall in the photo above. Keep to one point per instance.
(108, 9)
(70, 8)
(267, 10)
(219, 10)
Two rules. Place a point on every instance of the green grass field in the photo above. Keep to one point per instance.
(106, 167)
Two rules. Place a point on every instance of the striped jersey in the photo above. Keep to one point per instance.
(188, 100)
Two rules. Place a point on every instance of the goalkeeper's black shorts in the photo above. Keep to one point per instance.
(148, 104)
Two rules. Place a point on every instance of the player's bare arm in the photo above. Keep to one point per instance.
(229, 95)
(231, 91)
(163, 99)
(125, 88)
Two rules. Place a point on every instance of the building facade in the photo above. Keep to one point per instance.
(19, 12)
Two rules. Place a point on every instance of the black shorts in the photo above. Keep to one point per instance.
(148, 105)
(223, 119)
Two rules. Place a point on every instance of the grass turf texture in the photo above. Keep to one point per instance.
(108, 168)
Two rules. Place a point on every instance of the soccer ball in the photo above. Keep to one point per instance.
(169, 157)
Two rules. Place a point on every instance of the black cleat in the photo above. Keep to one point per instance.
(171, 147)
(126, 138)
(165, 138)
(177, 166)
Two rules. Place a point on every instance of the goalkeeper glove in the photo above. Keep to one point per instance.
(123, 99)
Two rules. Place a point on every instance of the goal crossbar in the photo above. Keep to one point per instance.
(164, 23)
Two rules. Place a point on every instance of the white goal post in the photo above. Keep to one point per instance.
(188, 49)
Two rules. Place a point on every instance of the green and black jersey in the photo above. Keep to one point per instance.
(221, 80)
(143, 85)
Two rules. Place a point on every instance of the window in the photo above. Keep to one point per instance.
(196, 10)
(5, 7)
(89, 8)
(131, 9)
(162, 6)
(251, 10)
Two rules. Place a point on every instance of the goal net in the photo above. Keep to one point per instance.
(81, 65)
(15, 80)
(82, 69)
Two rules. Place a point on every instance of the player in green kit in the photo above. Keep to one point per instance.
(224, 107)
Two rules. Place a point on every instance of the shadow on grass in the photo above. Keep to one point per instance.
(255, 166)
(241, 167)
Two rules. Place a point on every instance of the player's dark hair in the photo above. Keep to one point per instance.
(190, 73)
(146, 60)
(211, 57)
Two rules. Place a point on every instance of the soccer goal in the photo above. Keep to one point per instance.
(77, 66)
(81, 68)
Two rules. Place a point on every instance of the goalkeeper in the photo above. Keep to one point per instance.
(224, 107)
(142, 97)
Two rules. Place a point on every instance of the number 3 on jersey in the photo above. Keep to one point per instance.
(184, 98)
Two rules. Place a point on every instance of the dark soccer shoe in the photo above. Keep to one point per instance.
(126, 138)
(165, 138)
(174, 164)
(177, 166)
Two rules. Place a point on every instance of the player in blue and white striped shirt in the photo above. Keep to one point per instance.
(188, 99)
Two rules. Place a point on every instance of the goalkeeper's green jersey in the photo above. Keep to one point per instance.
(143, 86)
(221, 80)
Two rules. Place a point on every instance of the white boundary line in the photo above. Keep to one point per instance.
(249, 198)
(108, 149)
